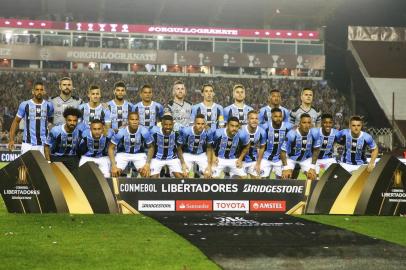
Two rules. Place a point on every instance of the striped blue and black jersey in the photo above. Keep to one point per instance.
(265, 114)
(195, 144)
(240, 113)
(355, 148)
(299, 147)
(214, 114)
(36, 118)
(165, 145)
(275, 139)
(229, 147)
(132, 143)
(326, 142)
(62, 143)
(91, 147)
(256, 140)
(119, 113)
(90, 114)
(149, 115)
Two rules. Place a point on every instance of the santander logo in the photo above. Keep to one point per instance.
(194, 205)
(268, 206)
(230, 205)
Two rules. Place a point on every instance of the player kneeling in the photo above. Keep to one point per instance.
(93, 146)
(298, 149)
(230, 147)
(130, 143)
(196, 145)
(167, 150)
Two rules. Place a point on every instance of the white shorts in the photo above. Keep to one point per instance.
(173, 164)
(324, 163)
(200, 160)
(102, 162)
(25, 147)
(305, 165)
(350, 167)
(122, 160)
(228, 165)
(268, 166)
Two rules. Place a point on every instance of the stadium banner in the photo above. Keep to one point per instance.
(75, 54)
(374, 33)
(101, 27)
(8, 156)
(30, 184)
(200, 195)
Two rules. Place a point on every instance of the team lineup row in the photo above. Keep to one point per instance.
(251, 142)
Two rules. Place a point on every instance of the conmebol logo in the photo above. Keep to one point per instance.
(194, 205)
(269, 206)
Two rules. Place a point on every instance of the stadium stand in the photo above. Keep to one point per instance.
(376, 60)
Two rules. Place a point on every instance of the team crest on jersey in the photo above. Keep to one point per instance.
(305, 141)
(38, 110)
(119, 111)
(209, 114)
(196, 140)
(325, 141)
(166, 140)
(354, 144)
(276, 135)
(229, 143)
(91, 114)
(132, 140)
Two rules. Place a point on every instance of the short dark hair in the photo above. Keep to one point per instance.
(37, 83)
(146, 86)
(167, 117)
(273, 110)
(200, 116)
(274, 91)
(120, 84)
(306, 89)
(72, 111)
(96, 121)
(93, 87)
(131, 113)
(326, 115)
(356, 118)
(233, 118)
(252, 112)
(65, 79)
(304, 115)
(206, 85)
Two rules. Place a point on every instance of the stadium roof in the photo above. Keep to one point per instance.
(293, 14)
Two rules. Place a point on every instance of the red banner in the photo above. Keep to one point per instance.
(156, 29)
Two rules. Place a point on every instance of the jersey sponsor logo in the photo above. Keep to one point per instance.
(229, 205)
(268, 206)
(194, 205)
(151, 205)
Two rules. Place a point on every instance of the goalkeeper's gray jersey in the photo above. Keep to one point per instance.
(314, 113)
(180, 112)
(60, 105)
